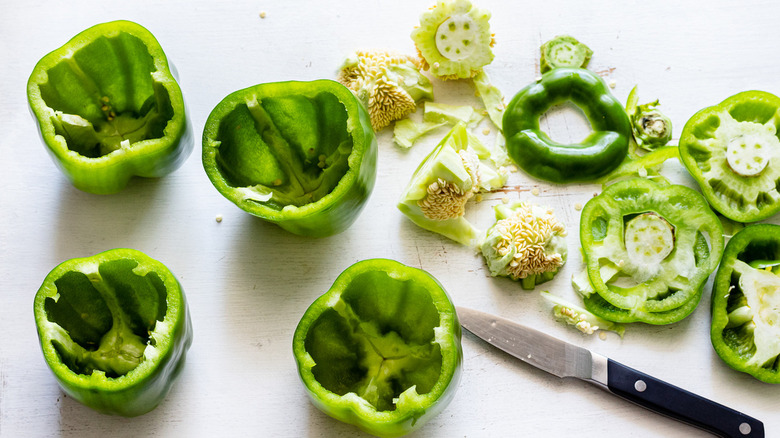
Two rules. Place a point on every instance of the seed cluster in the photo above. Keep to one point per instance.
(527, 233)
(387, 100)
(445, 200)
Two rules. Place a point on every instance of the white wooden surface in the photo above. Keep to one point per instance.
(249, 282)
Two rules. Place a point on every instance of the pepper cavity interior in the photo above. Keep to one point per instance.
(285, 147)
(377, 340)
(753, 305)
(102, 101)
(107, 317)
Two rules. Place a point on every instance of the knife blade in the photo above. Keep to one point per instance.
(563, 359)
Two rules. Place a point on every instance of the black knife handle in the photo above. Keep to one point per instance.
(680, 404)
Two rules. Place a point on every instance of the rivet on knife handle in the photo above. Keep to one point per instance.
(680, 404)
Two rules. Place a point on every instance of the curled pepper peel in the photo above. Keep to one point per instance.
(381, 348)
(533, 150)
(114, 329)
(301, 155)
(109, 108)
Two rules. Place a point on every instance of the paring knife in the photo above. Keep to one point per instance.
(563, 359)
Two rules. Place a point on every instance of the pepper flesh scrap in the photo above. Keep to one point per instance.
(458, 168)
(389, 84)
(578, 317)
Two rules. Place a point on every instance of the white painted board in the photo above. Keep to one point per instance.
(249, 282)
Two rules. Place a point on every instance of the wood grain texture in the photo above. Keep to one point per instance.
(248, 282)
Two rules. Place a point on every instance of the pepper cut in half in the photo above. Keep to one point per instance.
(745, 329)
(114, 329)
(732, 150)
(381, 348)
(538, 155)
(109, 108)
(299, 154)
(648, 249)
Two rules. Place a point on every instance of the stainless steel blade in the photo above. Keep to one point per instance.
(541, 350)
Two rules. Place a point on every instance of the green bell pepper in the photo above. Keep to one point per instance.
(108, 108)
(732, 150)
(648, 250)
(533, 150)
(299, 154)
(746, 303)
(381, 348)
(114, 329)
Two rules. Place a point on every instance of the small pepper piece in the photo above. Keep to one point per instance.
(381, 348)
(733, 152)
(109, 108)
(745, 330)
(648, 249)
(578, 317)
(114, 329)
(533, 150)
(564, 51)
(299, 154)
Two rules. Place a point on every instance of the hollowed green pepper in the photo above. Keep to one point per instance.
(108, 108)
(745, 329)
(114, 329)
(299, 154)
(533, 150)
(381, 348)
(648, 250)
(732, 150)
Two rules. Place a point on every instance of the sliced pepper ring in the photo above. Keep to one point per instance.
(108, 108)
(299, 154)
(114, 329)
(646, 290)
(381, 348)
(732, 150)
(746, 303)
(538, 155)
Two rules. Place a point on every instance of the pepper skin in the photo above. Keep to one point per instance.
(746, 303)
(108, 108)
(635, 277)
(381, 348)
(114, 329)
(733, 152)
(299, 154)
(533, 150)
